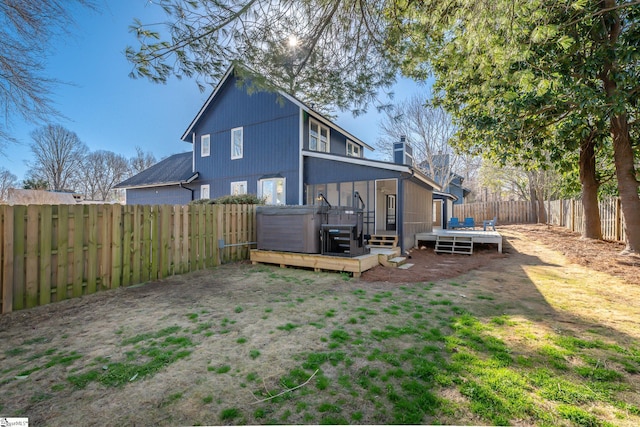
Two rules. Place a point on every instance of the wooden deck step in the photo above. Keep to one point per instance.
(397, 261)
(385, 241)
(454, 244)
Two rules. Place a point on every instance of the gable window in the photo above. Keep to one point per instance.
(272, 190)
(236, 143)
(318, 137)
(238, 187)
(353, 149)
(204, 191)
(205, 145)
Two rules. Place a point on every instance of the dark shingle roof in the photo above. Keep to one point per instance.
(172, 170)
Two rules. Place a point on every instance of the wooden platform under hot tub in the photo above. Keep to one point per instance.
(318, 262)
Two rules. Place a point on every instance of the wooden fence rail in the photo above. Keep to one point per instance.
(51, 253)
(565, 213)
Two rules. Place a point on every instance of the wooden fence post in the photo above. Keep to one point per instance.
(7, 263)
(92, 249)
(31, 255)
(18, 257)
(165, 240)
(618, 221)
(78, 250)
(127, 234)
(46, 235)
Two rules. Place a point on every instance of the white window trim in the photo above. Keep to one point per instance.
(354, 147)
(203, 152)
(204, 188)
(233, 131)
(284, 189)
(320, 127)
(235, 183)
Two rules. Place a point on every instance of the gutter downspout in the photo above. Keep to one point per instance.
(186, 188)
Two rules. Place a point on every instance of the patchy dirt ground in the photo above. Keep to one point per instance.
(599, 255)
(231, 332)
(603, 256)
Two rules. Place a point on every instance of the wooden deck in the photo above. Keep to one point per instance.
(478, 236)
(318, 262)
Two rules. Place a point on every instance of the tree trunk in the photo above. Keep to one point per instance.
(542, 211)
(619, 123)
(627, 182)
(533, 199)
(590, 186)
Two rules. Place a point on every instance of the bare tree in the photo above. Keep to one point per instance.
(27, 28)
(7, 181)
(428, 130)
(518, 183)
(59, 156)
(141, 161)
(100, 171)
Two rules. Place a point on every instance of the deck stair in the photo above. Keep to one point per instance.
(454, 244)
(398, 261)
(391, 257)
(383, 241)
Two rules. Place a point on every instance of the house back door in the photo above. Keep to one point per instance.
(391, 212)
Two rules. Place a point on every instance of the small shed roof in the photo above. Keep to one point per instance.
(174, 170)
(17, 196)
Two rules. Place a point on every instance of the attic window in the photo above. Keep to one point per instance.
(318, 137)
(353, 149)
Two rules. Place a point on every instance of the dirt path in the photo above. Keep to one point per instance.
(231, 314)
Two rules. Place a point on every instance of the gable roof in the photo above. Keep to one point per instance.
(293, 99)
(173, 170)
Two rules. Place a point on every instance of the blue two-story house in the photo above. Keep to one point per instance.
(273, 145)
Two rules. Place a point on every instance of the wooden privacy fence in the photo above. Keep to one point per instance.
(53, 252)
(565, 213)
(508, 212)
(570, 214)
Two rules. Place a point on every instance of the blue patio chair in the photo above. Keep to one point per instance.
(469, 223)
(490, 223)
(453, 223)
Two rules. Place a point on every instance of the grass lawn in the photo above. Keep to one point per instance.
(247, 344)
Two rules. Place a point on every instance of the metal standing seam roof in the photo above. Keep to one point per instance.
(173, 170)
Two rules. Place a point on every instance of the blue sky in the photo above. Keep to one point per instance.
(110, 111)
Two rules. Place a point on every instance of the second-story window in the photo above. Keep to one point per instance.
(205, 145)
(353, 149)
(318, 137)
(237, 143)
